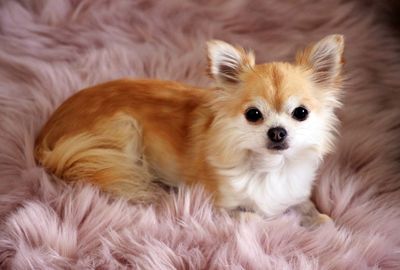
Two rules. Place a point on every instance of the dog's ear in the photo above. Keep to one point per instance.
(325, 59)
(226, 62)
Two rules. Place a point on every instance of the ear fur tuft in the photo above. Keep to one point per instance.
(325, 59)
(226, 62)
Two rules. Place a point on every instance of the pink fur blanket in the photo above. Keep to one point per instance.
(51, 48)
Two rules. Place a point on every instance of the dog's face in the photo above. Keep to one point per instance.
(276, 108)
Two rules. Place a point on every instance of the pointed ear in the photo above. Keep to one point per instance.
(226, 62)
(325, 59)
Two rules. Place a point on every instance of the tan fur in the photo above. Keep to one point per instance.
(123, 135)
(95, 135)
(271, 81)
(110, 155)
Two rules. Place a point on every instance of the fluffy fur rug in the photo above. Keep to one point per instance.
(51, 48)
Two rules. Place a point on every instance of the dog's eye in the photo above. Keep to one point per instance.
(253, 115)
(300, 113)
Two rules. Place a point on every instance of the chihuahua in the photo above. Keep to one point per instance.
(254, 141)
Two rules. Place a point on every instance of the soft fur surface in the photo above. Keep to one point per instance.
(51, 48)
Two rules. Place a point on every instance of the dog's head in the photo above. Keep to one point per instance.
(275, 108)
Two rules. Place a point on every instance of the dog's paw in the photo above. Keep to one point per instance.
(322, 218)
(315, 220)
(245, 216)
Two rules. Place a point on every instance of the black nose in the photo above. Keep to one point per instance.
(277, 134)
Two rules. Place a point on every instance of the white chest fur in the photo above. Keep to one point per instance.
(268, 186)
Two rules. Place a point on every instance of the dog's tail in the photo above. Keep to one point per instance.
(110, 156)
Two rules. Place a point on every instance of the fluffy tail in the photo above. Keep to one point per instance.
(110, 156)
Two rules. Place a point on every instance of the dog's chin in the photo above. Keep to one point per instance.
(277, 147)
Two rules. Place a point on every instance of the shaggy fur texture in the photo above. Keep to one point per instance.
(51, 48)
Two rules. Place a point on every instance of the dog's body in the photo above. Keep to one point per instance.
(246, 141)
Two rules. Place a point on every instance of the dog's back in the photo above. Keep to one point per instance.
(97, 135)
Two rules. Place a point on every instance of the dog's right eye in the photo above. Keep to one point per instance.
(253, 115)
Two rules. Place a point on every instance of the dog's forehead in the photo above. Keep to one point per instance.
(279, 83)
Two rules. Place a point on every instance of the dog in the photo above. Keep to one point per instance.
(254, 141)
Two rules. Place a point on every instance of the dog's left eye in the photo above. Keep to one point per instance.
(300, 113)
(253, 115)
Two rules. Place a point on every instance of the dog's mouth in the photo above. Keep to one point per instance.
(277, 146)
